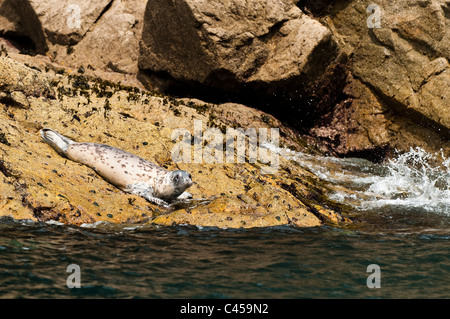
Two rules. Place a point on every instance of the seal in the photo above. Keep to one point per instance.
(127, 171)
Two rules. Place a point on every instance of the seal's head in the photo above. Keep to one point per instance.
(181, 179)
(174, 184)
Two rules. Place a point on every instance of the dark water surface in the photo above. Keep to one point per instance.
(147, 261)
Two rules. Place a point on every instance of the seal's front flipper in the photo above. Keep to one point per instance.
(156, 200)
(185, 195)
(146, 191)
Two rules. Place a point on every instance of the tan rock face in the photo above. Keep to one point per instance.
(99, 34)
(39, 184)
(233, 45)
(62, 22)
(113, 42)
(407, 58)
(397, 91)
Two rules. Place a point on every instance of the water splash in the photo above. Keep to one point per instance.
(415, 179)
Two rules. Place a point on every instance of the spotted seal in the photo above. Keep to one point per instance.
(127, 171)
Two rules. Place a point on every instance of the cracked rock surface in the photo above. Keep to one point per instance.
(396, 93)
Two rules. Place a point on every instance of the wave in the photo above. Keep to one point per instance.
(414, 179)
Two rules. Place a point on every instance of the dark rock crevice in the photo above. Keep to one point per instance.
(446, 9)
(298, 101)
(319, 8)
(311, 100)
(21, 42)
(32, 26)
(107, 7)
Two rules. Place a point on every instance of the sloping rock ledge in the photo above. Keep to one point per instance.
(38, 184)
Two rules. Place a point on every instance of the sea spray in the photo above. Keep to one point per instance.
(414, 179)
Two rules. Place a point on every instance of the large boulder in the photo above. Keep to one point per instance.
(396, 94)
(270, 47)
(405, 61)
(100, 34)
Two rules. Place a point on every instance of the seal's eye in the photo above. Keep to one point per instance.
(190, 177)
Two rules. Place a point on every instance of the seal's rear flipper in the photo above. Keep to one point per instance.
(59, 142)
(185, 195)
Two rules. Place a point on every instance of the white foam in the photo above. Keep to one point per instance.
(95, 224)
(413, 179)
(54, 222)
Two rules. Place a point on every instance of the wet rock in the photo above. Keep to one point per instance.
(363, 126)
(229, 212)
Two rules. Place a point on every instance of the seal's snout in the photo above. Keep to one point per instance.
(189, 181)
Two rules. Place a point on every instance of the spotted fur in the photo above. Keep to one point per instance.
(127, 171)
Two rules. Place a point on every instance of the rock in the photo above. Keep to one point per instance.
(38, 184)
(18, 82)
(113, 43)
(396, 96)
(230, 212)
(355, 90)
(404, 77)
(59, 22)
(406, 58)
(260, 48)
(100, 34)
(361, 125)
